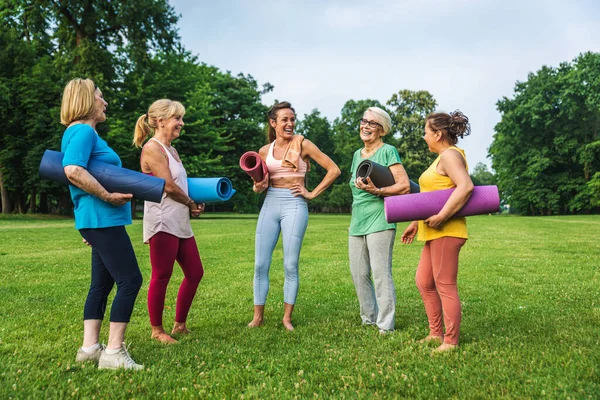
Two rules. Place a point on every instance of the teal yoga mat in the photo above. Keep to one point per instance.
(210, 190)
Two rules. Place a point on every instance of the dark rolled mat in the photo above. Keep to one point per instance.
(380, 175)
(112, 178)
(253, 165)
(210, 190)
(420, 206)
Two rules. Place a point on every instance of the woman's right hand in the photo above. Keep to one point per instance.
(261, 186)
(410, 232)
(118, 199)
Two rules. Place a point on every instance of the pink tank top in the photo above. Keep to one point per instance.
(169, 215)
(277, 171)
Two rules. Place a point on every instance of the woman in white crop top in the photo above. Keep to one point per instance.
(284, 209)
(167, 224)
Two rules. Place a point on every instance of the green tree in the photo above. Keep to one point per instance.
(482, 176)
(545, 150)
(318, 130)
(408, 112)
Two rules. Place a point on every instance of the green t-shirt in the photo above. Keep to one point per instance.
(368, 215)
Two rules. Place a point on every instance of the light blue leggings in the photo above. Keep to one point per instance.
(283, 212)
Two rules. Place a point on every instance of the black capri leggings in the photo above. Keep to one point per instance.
(113, 260)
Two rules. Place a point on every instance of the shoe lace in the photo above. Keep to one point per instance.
(128, 360)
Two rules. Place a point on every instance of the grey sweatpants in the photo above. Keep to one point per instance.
(371, 263)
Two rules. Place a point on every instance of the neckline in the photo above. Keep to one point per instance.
(372, 153)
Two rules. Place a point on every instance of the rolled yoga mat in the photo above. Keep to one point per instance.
(111, 177)
(210, 190)
(420, 206)
(253, 165)
(380, 175)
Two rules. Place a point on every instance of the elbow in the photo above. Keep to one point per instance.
(336, 172)
(404, 188)
(71, 172)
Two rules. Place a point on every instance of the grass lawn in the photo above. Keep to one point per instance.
(530, 289)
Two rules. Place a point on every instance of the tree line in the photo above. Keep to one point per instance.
(134, 54)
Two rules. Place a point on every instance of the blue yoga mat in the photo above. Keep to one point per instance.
(113, 178)
(210, 190)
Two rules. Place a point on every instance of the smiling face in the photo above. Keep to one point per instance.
(285, 123)
(172, 127)
(369, 134)
(99, 106)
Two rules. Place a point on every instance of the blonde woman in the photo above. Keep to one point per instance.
(167, 225)
(100, 217)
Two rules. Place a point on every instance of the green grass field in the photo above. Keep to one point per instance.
(530, 289)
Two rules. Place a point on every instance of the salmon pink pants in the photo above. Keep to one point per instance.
(436, 280)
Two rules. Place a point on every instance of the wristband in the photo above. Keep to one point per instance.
(188, 202)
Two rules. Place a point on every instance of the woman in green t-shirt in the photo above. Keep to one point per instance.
(371, 239)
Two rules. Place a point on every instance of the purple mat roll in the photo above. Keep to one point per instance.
(420, 206)
(253, 165)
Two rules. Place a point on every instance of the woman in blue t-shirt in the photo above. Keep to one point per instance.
(371, 238)
(100, 217)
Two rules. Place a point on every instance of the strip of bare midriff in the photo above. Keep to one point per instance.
(286, 182)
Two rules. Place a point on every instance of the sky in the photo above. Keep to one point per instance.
(319, 54)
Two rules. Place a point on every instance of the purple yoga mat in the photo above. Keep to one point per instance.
(253, 165)
(420, 206)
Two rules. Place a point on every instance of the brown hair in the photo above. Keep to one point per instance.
(147, 123)
(272, 115)
(453, 125)
(78, 101)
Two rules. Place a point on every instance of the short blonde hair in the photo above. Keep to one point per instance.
(147, 123)
(78, 101)
(383, 118)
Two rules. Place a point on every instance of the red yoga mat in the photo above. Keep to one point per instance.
(420, 206)
(253, 165)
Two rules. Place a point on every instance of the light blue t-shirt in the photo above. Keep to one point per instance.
(81, 144)
(368, 214)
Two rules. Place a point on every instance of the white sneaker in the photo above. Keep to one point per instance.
(122, 359)
(84, 356)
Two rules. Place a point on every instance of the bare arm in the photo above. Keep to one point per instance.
(154, 160)
(453, 165)
(81, 178)
(309, 149)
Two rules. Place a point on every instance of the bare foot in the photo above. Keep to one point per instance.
(287, 323)
(432, 338)
(180, 328)
(163, 337)
(445, 347)
(255, 323)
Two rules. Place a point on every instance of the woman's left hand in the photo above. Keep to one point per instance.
(299, 190)
(435, 221)
(195, 212)
(367, 187)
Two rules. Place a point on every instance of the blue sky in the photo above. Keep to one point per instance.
(320, 54)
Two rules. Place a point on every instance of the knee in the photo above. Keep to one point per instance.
(132, 284)
(196, 276)
(424, 285)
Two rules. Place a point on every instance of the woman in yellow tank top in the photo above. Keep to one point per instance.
(443, 235)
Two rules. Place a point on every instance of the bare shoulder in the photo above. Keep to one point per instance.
(452, 156)
(264, 151)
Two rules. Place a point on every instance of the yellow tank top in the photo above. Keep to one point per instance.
(430, 181)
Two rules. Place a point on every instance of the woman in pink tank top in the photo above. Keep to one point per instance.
(284, 209)
(167, 224)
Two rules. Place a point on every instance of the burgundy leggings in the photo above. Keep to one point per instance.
(436, 280)
(164, 250)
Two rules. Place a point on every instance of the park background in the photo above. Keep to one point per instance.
(529, 283)
(543, 152)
